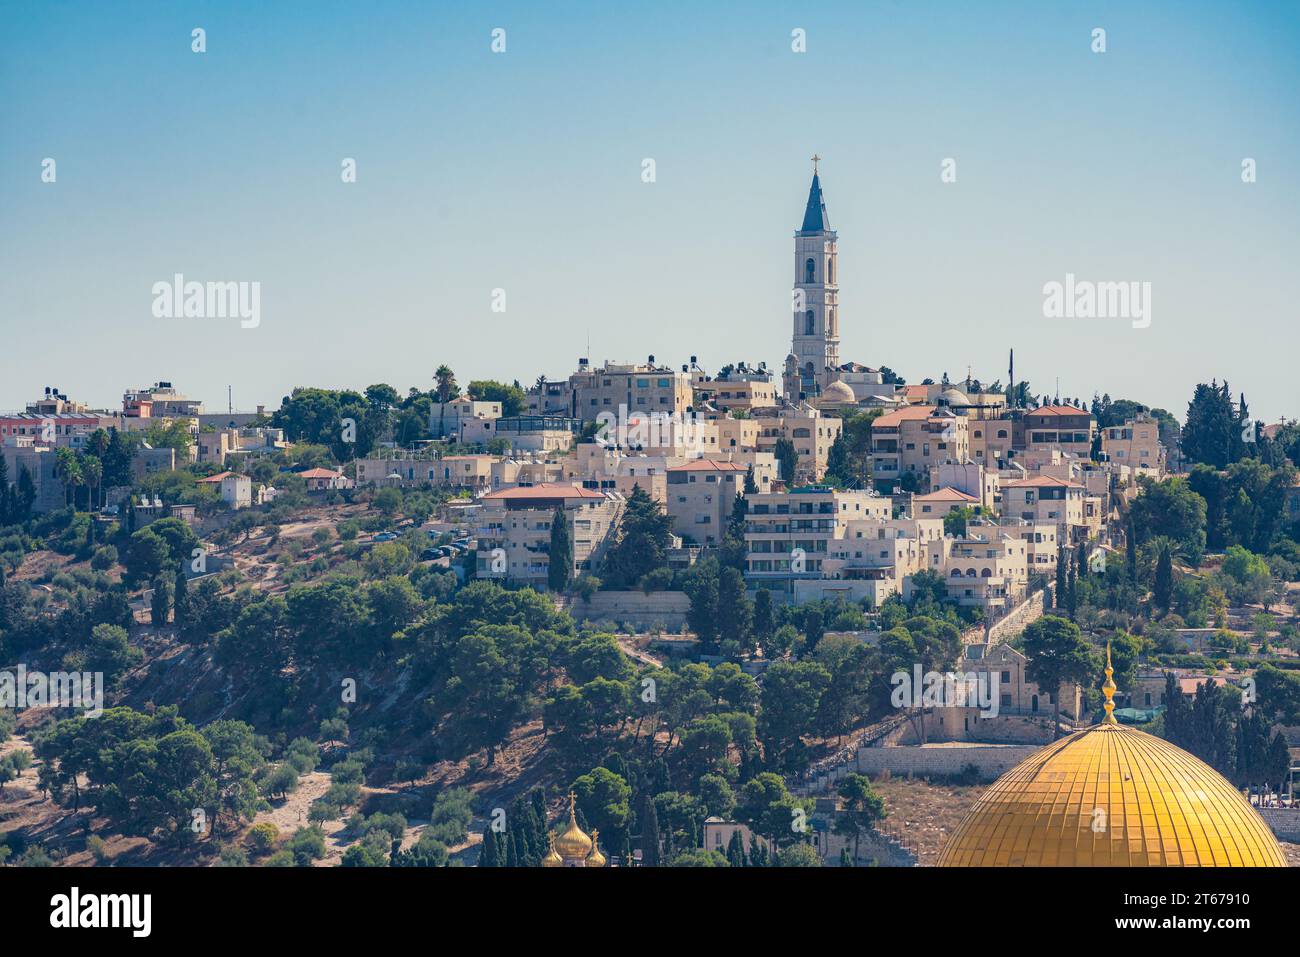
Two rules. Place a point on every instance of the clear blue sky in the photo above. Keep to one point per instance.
(522, 171)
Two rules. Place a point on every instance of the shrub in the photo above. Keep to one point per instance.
(263, 836)
(105, 557)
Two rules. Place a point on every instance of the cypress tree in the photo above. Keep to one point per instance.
(736, 850)
(1061, 583)
(489, 854)
(560, 557)
(178, 597)
(162, 602)
(1130, 542)
(1163, 590)
(649, 833)
(512, 854)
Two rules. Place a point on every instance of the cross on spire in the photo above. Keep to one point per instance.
(815, 160)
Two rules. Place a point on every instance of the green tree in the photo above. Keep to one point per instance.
(1057, 654)
(560, 556)
(787, 460)
(862, 808)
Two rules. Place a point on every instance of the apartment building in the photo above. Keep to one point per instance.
(789, 534)
(982, 484)
(1041, 538)
(1060, 427)
(448, 420)
(1136, 443)
(638, 387)
(939, 503)
(514, 531)
(1046, 500)
(811, 433)
(988, 571)
(908, 441)
(736, 389)
(701, 494)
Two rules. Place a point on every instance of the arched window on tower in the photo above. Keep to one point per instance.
(809, 270)
(809, 323)
(830, 270)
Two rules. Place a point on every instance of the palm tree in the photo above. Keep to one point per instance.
(445, 381)
(92, 470)
(68, 471)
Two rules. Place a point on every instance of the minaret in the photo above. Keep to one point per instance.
(815, 346)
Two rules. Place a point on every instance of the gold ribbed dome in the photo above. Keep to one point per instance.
(552, 859)
(595, 858)
(573, 844)
(1112, 796)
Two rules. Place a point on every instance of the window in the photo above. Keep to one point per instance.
(809, 271)
(810, 324)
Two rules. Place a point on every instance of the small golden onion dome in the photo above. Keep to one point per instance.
(573, 844)
(552, 859)
(595, 859)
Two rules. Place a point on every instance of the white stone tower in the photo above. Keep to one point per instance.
(815, 347)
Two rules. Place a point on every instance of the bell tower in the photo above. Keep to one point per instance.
(815, 345)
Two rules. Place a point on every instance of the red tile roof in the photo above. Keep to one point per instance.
(215, 478)
(543, 490)
(907, 414)
(320, 474)
(1059, 410)
(946, 494)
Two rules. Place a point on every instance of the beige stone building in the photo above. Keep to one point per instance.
(701, 494)
(1060, 427)
(908, 441)
(789, 534)
(637, 387)
(1044, 499)
(812, 434)
(514, 532)
(1136, 444)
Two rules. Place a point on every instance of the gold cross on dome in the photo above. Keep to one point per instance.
(815, 160)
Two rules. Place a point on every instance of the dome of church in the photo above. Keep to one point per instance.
(954, 397)
(595, 859)
(552, 858)
(1112, 796)
(838, 393)
(573, 844)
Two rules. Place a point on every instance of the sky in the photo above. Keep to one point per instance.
(522, 171)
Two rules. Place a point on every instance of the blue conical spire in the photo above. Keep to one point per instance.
(814, 217)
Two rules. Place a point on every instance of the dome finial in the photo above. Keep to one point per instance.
(1109, 689)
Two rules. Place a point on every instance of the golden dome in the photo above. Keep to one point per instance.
(573, 844)
(595, 858)
(1112, 796)
(552, 859)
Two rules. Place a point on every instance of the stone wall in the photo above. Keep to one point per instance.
(1285, 822)
(634, 608)
(989, 760)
